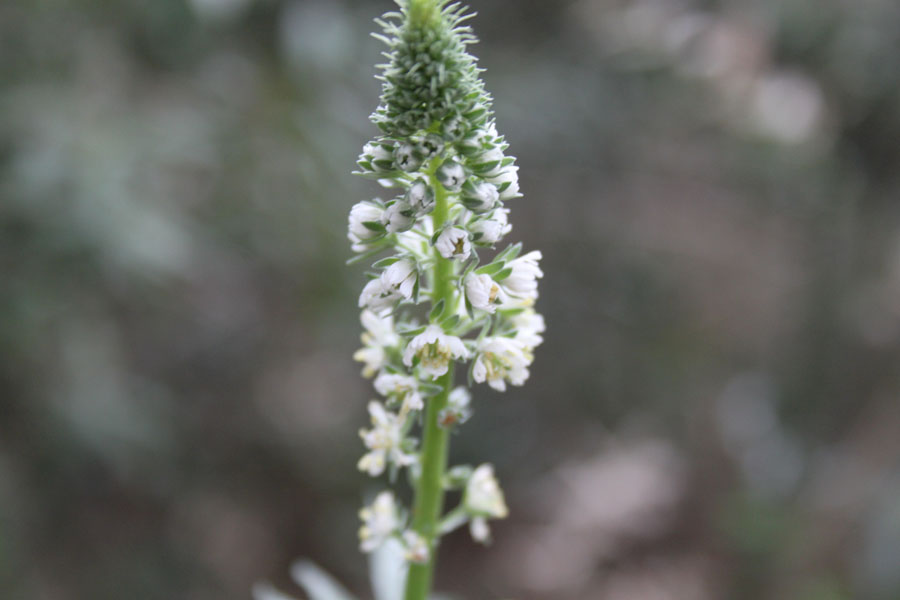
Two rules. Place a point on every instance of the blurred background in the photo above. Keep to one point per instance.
(714, 185)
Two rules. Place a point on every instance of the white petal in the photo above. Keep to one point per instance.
(480, 530)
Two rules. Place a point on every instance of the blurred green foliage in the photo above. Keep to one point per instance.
(714, 187)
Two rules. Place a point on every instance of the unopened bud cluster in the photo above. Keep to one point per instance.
(448, 176)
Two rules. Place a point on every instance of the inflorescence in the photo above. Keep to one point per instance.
(435, 298)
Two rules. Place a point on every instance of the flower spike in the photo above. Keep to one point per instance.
(435, 298)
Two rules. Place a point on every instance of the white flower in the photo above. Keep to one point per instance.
(475, 140)
(431, 145)
(451, 175)
(457, 410)
(377, 298)
(420, 196)
(529, 326)
(379, 522)
(358, 234)
(434, 349)
(453, 242)
(480, 530)
(378, 336)
(494, 154)
(501, 359)
(416, 547)
(407, 157)
(459, 399)
(404, 387)
(483, 495)
(397, 282)
(481, 197)
(507, 181)
(384, 440)
(401, 277)
(377, 152)
(482, 292)
(522, 282)
(398, 217)
(483, 499)
(493, 228)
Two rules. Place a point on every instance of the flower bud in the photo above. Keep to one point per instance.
(453, 128)
(492, 229)
(480, 197)
(407, 157)
(488, 164)
(430, 146)
(379, 155)
(399, 216)
(420, 196)
(507, 181)
(472, 144)
(400, 277)
(451, 175)
(358, 232)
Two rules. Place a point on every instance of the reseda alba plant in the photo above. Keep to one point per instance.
(434, 300)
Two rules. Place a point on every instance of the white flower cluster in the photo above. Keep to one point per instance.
(382, 521)
(441, 292)
(489, 320)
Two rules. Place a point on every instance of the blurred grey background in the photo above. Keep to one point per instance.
(714, 186)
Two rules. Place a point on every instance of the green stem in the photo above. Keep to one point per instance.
(429, 498)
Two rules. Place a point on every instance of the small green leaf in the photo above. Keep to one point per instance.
(366, 255)
(436, 311)
(503, 274)
(411, 332)
(486, 166)
(474, 114)
(469, 267)
(374, 226)
(450, 322)
(485, 329)
(494, 267)
(510, 253)
(385, 262)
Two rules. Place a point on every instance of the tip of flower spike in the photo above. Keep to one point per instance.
(422, 12)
